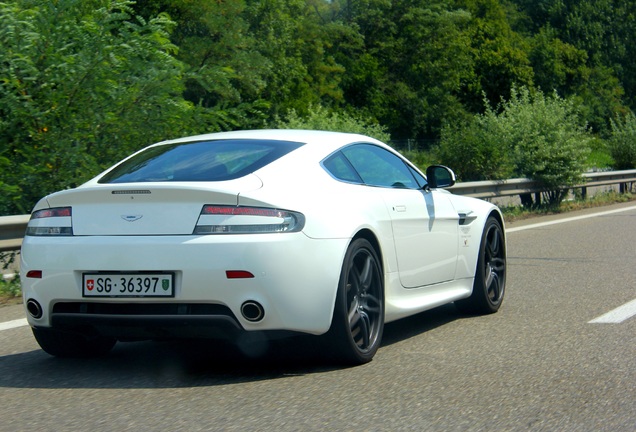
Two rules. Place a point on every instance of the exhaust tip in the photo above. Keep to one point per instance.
(252, 311)
(34, 308)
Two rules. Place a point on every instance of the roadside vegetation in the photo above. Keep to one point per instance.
(492, 88)
(10, 291)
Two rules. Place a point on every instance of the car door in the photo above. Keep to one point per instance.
(425, 223)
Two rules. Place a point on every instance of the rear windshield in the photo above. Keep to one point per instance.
(217, 160)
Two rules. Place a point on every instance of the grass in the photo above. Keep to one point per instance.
(11, 293)
(10, 289)
(516, 213)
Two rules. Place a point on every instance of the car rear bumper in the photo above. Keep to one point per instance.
(295, 280)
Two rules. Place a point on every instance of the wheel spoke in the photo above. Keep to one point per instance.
(498, 264)
(490, 275)
(494, 289)
(366, 274)
(354, 316)
(492, 245)
(365, 330)
(372, 304)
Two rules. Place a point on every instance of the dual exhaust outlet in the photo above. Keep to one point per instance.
(34, 309)
(251, 310)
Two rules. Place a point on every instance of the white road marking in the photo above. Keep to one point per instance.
(13, 324)
(570, 219)
(617, 315)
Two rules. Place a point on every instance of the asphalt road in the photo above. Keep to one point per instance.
(537, 365)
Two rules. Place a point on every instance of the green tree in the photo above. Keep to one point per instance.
(500, 55)
(300, 39)
(225, 71)
(558, 66)
(413, 65)
(604, 30)
(82, 83)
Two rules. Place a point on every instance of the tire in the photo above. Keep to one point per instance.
(490, 275)
(63, 344)
(358, 319)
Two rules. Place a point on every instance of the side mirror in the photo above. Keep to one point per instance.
(439, 176)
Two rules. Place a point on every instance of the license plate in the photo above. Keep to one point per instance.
(128, 285)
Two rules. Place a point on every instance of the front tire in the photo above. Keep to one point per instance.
(62, 344)
(358, 319)
(490, 276)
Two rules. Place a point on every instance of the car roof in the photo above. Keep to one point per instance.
(327, 141)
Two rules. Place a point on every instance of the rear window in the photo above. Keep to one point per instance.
(217, 160)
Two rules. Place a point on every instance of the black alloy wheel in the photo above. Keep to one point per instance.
(490, 276)
(358, 321)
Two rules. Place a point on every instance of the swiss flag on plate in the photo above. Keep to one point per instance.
(90, 284)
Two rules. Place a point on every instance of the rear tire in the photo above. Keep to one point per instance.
(490, 276)
(62, 344)
(358, 319)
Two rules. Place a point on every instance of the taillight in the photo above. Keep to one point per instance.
(216, 219)
(51, 222)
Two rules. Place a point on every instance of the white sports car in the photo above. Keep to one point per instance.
(275, 231)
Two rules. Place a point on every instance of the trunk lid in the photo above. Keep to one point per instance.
(146, 208)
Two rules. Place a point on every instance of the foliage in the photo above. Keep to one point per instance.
(421, 159)
(82, 84)
(500, 55)
(10, 289)
(320, 118)
(529, 135)
(548, 142)
(599, 157)
(224, 70)
(474, 150)
(414, 62)
(583, 49)
(623, 141)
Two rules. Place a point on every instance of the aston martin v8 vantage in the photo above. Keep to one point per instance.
(274, 231)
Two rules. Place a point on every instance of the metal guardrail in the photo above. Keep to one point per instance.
(12, 231)
(502, 188)
(12, 227)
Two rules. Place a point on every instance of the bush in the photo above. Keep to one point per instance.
(474, 150)
(622, 143)
(548, 141)
(530, 135)
(422, 159)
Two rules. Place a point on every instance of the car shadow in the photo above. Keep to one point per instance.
(200, 363)
(406, 328)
